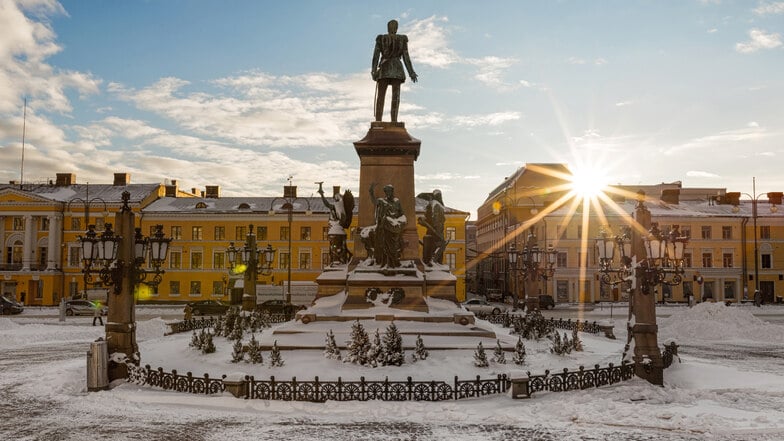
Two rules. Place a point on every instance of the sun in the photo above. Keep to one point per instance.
(588, 182)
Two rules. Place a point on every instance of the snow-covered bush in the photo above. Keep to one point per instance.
(480, 358)
(519, 355)
(375, 354)
(254, 351)
(275, 360)
(420, 352)
(237, 353)
(498, 354)
(208, 347)
(577, 344)
(331, 349)
(393, 346)
(357, 348)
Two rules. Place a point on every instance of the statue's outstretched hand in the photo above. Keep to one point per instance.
(414, 77)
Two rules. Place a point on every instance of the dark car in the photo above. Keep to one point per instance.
(278, 307)
(208, 307)
(546, 302)
(83, 307)
(8, 306)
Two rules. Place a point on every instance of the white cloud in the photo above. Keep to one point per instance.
(701, 174)
(575, 60)
(492, 69)
(624, 103)
(427, 43)
(722, 139)
(759, 40)
(492, 119)
(600, 61)
(769, 8)
(712, 30)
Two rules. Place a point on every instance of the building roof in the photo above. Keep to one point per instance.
(106, 192)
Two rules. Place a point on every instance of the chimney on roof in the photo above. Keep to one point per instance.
(65, 179)
(171, 189)
(194, 191)
(774, 197)
(335, 190)
(731, 198)
(671, 195)
(122, 179)
(289, 191)
(213, 191)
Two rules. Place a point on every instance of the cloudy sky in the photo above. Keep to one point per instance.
(244, 94)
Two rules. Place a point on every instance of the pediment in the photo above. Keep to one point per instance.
(11, 196)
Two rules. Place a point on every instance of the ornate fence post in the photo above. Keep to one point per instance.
(520, 388)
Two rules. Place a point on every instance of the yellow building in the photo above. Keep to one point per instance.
(41, 256)
(204, 227)
(720, 226)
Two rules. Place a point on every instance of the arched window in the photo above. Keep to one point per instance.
(201, 205)
(244, 206)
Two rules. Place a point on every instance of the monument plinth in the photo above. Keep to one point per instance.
(387, 154)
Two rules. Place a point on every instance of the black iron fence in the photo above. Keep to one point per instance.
(209, 322)
(174, 381)
(517, 321)
(577, 380)
(362, 390)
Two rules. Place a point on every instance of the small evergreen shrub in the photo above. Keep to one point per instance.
(480, 358)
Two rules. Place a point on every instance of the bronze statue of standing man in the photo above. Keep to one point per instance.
(387, 69)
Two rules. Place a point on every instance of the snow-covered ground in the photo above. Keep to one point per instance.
(730, 385)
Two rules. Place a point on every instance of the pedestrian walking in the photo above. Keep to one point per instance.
(757, 298)
(188, 312)
(97, 314)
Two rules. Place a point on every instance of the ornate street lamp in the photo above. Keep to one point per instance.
(290, 198)
(251, 261)
(535, 264)
(117, 260)
(774, 198)
(646, 261)
(99, 255)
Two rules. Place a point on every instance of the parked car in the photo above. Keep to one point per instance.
(546, 302)
(208, 307)
(83, 307)
(8, 306)
(482, 306)
(279, 307)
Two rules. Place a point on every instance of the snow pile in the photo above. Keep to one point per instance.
(150, 329)
(14, 335)
(709, 321)
(7, 324)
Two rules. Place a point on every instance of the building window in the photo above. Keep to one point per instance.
(175, 259)
(764, 231)
(196, 233)
(685, 230)
(450, 259)
(451, 233)
(687, 260)
(284, 233)
(100, 224)
(42, 252)
(220, 233)
(44, 223)
(324, 259)
(195, 287)
(218, 260)
(707, 260)
(196, 260)
(324, 233)
(560, 259)
(240, 233)
(706, 231)
(176, 233)
(304, 233)
(765, 261)
(726, 232)
(729, 289)
(283, 260)
(217, 288)
(174, 288)
(304, 260)
(726, 260)
(76, 223)
(579, 231)
(74, 256)
(261, 233)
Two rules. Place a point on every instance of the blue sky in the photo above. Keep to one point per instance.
(244, 94)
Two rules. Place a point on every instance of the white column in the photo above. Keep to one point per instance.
(27, 250)
(51, 258)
